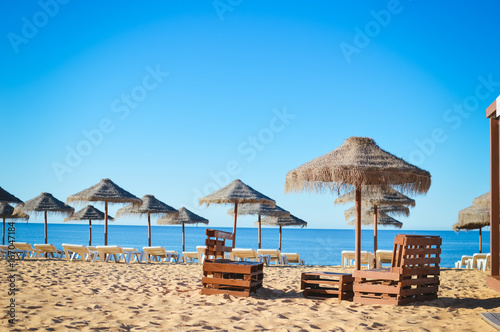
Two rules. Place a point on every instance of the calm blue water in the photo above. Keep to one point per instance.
(316, 246)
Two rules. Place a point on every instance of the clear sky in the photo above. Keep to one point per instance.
(178, 98)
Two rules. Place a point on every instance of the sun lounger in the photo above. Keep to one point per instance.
(30, 251)
(190, 256)
(49, 250)
(484, 263)
(289, 258)
(5, 252)
(474, 262)
(249, 255)
(117, 252)
(75, 251)
(274, 255)
(348, 258)
(159, 253)
(463, 263)
(383, 256)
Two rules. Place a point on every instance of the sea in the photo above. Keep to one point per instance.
(315, 246)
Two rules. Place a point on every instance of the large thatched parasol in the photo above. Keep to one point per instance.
(88, 213)
(474, 217)
(383, 219)
(150, 205)
(357, 162)
(260, 210)
(184, 217)
(6, 197)
(45, 202)
(291, 220)
(398, 210)
(8, 212)
(108, 192)
(238, 193)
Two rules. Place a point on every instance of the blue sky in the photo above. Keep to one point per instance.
(176, 98)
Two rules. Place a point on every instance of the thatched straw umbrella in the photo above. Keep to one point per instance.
(8, 212)
(357, 162)
(398, 210)
(473, 217)
(88, 213)
(150, 205)
(291, 220)
(184, 217)
(378, 196)
(260, 210)
(108, 192)
(6, 197)
(45, 202)
(238, 193)
(383, 219)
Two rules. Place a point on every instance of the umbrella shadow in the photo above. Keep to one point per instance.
(462, 303)
(273, 293)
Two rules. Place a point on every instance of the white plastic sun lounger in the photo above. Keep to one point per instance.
(5, 252)
(117, 252)
(159, 253)
(49, 250)
(273, 254)
(348, 258)
(30, 251)
(289, 258)
(77, 251)
(246, 255)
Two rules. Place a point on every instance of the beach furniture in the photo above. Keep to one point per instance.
(289, 258)
(5, 252)
(117, 252)
(30, 251)
(78, 251)
(492, 318)
(484, 264)
(473, 263)
(274, 255)
(250, 255)
(349, 256)
(413, 275)
(190, 256)
(159, 253)
(463, 263)
(223, 276)
(49, 250)
(383, 256)
(327, 284)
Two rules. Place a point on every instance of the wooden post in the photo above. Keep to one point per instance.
(90, 232)
(480, 240)
(375, 241)
(235, 220)
(149, 229)
(3, 232)
(105, 223)
(183, 238)
(260, 233)
(494, 185)
(46, 227)
(281, 231)
(357, 232)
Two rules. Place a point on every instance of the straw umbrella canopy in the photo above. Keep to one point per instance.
(184, 217)
(6, 197)
(473, 217)
(108, 192)
(45, 203)
(236, 193)
(291, 220)
(88, 213)
(392, 209)
(357, 162)
(8, 212)
(260, 210)
(383, 219)
(150, 205)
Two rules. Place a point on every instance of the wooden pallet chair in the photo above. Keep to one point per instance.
(223, 276)
(413, 275)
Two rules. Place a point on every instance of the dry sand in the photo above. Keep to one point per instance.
(55, 295)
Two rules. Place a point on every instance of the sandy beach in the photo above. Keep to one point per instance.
(55, 295)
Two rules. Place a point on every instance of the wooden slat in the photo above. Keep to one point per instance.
(228, 282)
(211, 291)
(428, 270)
(375, 288)
(374, 274)
(422, 251)
(219, 234)
(369, 300)
(419, 290)
(422, 261)
(420, 281)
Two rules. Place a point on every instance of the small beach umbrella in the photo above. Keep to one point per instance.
(357, 162)
(150, 205)
(236, 193)
(45, 203)
(6, 197)
(473, 217)
(88, 213)
(383, 219)
(184, 217)
(108, 192)
(8, 212)
(260, 210)
(291, 220)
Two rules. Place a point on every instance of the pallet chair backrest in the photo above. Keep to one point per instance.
(216, 243)
(416, 254)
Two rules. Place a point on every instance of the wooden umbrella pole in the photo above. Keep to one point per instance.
(234, 225)
(90, 232)
(260, 233)
(281, 231)
(183, 238)
(375, 224)
(149, 229)
(357, 232)
(480, 240)
(46, 227)
(105, 223)
(3, 232)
